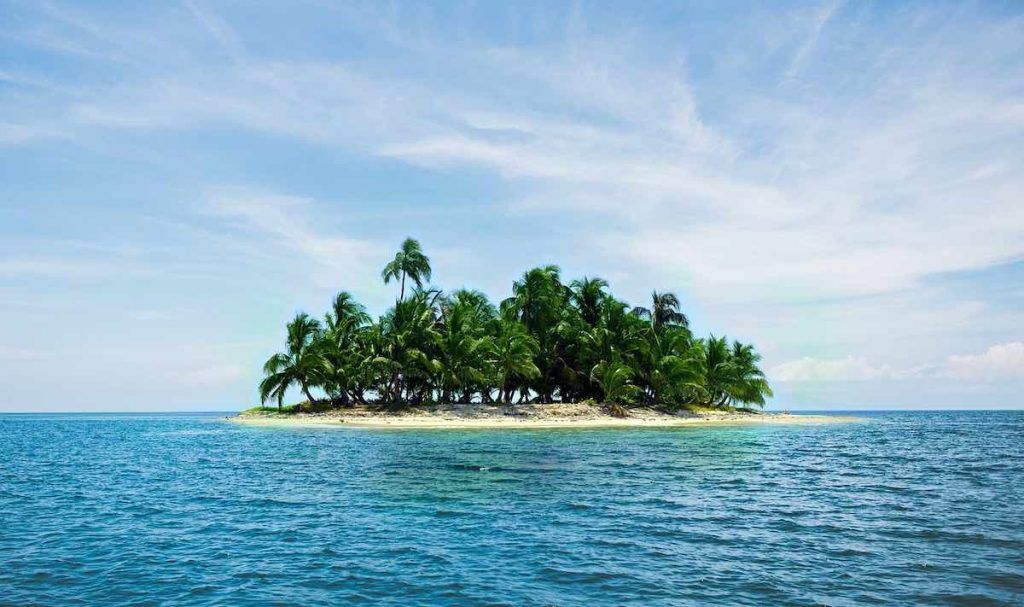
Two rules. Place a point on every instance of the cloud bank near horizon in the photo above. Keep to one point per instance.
(1001, 361)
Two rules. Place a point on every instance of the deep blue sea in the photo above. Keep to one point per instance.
(901, 509)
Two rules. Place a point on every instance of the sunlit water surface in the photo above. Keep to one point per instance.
(902, 509)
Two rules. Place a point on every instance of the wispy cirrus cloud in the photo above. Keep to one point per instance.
(286, 223)
(220, 30)
(818, 20)
(903, 175)
(57, 267)
(867, 193)
(802, 177)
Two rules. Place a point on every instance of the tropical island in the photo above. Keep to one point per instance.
(552, 354)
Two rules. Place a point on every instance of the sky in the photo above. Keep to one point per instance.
(839, 183)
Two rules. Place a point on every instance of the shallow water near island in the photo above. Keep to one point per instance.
(902, 508)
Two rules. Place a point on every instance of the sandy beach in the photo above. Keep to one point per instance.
(556, 415)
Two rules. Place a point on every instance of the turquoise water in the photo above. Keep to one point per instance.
(903, 509)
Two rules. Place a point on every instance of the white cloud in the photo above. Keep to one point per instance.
(287, 222)
(150, 314)
(1002, 361)
(851, 368)
(14, 353)
(818, 22)
(179, 372)
(57, 267)
(210, 376)
(852, 181)
(19, 133)
(220, 30)
(817, 159)
(998, 362)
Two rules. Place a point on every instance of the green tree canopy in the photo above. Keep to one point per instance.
(409, 262)
(547, 342)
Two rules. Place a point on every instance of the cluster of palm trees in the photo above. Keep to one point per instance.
(548, 342)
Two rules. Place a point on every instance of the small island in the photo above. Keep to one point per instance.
(550, 355)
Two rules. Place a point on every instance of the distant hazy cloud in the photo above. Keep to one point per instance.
(1001, 361)
(213, 375)
(14, 353)
(852, 368)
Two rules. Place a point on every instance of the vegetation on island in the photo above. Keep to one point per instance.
(548, 342)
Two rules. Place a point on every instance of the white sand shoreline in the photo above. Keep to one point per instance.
(523, 417)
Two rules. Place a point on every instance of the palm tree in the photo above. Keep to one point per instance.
(539, 300)
(615, 381)
(548, 341)
(731, 375)
(666, 368)
(536, 298)
(407, 343)
(748, 384)
(409, 261)
(346, 313)
(482, 310)
(664, 311)
(302, 363)
(460, 346)
(584, 346)
(341, 347)
(510, 354)
(588, 295)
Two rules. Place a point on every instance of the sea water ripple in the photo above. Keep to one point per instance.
(901, 509)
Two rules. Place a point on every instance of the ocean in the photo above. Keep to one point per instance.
(922, 508)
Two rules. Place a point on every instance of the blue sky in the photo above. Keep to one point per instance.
(839, 183)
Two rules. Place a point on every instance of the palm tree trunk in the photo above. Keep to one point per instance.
(394, 387)
(401, 295)
(309, 397)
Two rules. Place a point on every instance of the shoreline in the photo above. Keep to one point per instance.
(533, 416)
